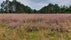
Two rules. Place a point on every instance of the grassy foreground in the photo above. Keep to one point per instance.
(43, 27)
(25, 32)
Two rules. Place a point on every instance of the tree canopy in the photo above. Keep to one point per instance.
(17, 7)
(14, 7)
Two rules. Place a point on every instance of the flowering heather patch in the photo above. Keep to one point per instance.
(35, 26)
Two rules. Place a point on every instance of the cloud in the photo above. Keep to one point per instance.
(60, 2)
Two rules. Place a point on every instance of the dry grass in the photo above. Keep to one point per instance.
(35, 26)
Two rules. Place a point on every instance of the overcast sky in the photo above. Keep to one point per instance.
(37, 4)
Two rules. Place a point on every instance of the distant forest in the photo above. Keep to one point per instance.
(17, 7)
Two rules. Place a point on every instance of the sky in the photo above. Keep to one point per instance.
(38, 4)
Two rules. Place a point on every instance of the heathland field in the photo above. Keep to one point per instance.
(35, 26)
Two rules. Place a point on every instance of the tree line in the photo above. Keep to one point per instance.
(55, 8)
(17, 7)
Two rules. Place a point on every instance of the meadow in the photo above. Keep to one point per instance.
(35, 26)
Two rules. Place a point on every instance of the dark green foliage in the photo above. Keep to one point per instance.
(55, 9)
(35, 11)
(17, 7)
(50, 9)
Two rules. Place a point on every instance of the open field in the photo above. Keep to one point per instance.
(35, 26)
